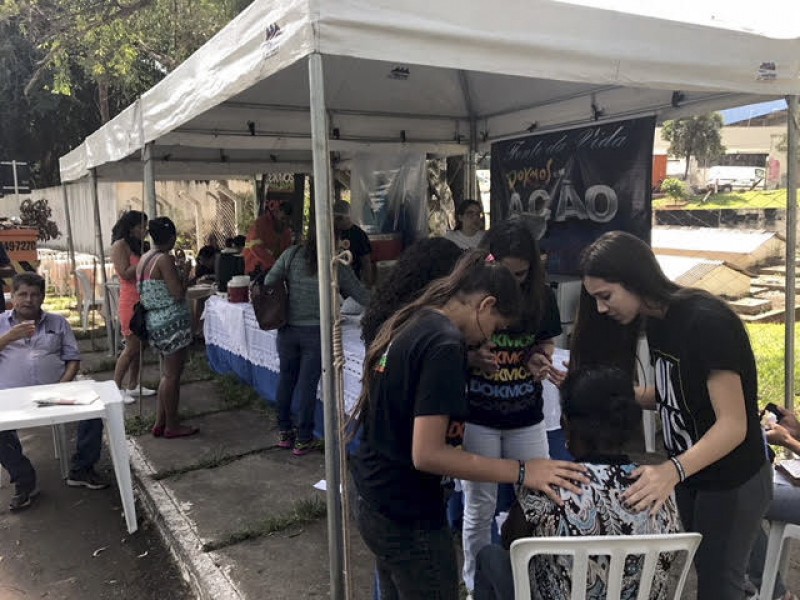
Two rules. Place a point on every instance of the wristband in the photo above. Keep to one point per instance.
(521, 475)
(678, 467)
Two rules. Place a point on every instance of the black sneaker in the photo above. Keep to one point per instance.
(22, 500)
(88, 479)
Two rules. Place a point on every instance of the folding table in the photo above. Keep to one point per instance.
(19, 411)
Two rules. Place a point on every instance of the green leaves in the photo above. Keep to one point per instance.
(695, 136)
(78, 63)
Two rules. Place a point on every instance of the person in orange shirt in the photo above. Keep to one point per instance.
(268, 237)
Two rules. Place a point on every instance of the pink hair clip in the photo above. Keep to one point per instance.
(490, 259)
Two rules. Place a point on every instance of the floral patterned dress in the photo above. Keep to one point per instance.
(169, 326)
(598, 511)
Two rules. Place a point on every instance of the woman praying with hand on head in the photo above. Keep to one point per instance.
(705, 392)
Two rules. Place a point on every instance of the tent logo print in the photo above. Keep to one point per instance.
(767, 72)
(273, 33)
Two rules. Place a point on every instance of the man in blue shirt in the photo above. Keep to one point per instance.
(38, 348)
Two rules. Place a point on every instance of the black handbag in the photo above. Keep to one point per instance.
(271, 302)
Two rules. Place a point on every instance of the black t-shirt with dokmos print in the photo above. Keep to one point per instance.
(698, 335)
(423, 373)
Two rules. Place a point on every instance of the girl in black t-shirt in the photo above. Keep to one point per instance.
(411, 413)
(706, 393)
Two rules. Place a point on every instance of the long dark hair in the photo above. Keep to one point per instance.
(420, 264)
(514, 238)
(600, 409)
(123, 227)
(472, 274)
(462, 208)
(619, 257)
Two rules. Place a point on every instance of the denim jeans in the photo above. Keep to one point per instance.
(494, 579)
(300, 355)
(89, 443)
(729, 521)
(87, 453)
(480, 499)
(412, 562)
(16, 463)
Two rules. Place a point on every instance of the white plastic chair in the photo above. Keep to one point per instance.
(88, 299)
(616, 548)
(777, 559)
(114, 328)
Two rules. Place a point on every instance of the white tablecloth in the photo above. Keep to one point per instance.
(233, 327)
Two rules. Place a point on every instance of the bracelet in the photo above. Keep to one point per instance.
(678, 467)
(521, 475)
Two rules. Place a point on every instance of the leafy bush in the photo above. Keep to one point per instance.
(675, 188)
(37, 214)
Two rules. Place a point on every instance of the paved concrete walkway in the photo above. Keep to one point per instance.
(239, 514)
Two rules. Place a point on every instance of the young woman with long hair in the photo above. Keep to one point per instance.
(468, 232)
(163, 291)
(127, 247)
(411, 412)
(706, 392)
(419, 264)
(506, 418)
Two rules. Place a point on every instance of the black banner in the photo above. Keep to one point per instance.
(581, 183)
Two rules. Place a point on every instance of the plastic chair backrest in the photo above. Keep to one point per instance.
(112, 293)
(616, 548)
(85, 287)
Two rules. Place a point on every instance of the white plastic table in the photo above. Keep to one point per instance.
(18, 411)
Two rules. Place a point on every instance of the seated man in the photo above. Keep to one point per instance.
(39, 348)
(600, 416)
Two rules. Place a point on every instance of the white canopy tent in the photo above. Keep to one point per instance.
(288, 82)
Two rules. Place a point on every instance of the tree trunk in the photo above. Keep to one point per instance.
(686, 171)
(102, 97)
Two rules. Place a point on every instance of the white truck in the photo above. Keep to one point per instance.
(727, 179)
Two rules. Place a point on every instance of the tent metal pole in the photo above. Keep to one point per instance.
(98, 233)
(70, 241)
(150, 181)
(791, 249)
(324, 230)
(472, 170)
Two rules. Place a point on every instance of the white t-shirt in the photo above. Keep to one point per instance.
(463, 241)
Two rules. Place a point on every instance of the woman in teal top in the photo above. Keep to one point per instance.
(162, 289)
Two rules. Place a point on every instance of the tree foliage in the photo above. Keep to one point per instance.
(80, 62)
(694, 136)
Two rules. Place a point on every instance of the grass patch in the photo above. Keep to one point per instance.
(213, 461)
(732, 200)
(767, 340)
(303, 512)
(136, 426)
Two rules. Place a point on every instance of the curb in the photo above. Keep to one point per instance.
(206, 579)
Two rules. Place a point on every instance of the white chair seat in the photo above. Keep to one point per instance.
(616, 548)
(776, 559)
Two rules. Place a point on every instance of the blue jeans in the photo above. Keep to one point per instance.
(300, 355)
(23, 475)
(494, 579)
(88, 445)
(87, 453)
(412, 561)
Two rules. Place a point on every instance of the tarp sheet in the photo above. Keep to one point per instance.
(425, 76)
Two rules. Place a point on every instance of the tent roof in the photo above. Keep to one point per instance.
(422, 75)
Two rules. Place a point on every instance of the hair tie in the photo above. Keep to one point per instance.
(490, 259)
